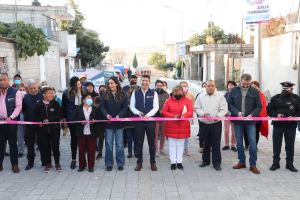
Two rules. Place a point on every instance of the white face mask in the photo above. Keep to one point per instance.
(44, 86)
(22, 93)
(164, 87)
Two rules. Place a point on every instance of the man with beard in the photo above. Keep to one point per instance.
(285, 105)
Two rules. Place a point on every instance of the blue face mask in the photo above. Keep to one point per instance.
(17, 82)
(89, 102)
(83, 83)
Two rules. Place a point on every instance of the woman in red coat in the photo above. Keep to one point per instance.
(177, 106)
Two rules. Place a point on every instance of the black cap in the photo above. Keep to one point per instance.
(287, 85)
(18, 75)
(73, 80)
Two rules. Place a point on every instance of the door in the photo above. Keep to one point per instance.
(67, 68)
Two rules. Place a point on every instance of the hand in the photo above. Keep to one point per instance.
(8, 119)
(206, 115)
(240, 114)
(92, 122)
(97, 104)
(117, 117)
(83, 123)
(108, 116)
(249, 116)
(182, 116)
(141, 114)
(146, 116)
(290, 117)
(46, 121)
(280, 115)
(175, 116)
(216, 117)
(160, 112)
(41, 124)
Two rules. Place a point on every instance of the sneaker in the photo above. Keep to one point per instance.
(6, 154)
(163, 152)
(99, 156)
(156, 154)
(187, 153)
(246, 148)
(225, 148)
(48, 168)
(20, 155)
(234, 149)
(58, 167)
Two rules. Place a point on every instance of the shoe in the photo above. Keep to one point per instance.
(28, 167)
(15, 169)
(187, 153)
(201, 150)
(120, 168)
(246, 148)
(163, 152)
(179, 166)
(153, 167)
(135, 154)
(218, 168)
(80, 170)
(20, 155)
(291, 167)
(91, 170)
(129, 155)
(239, 166)
(234, 149)
(1, 169)
(109, 168)
(6, 154)
(37, 149)
(255, 170)
(197, 137)
(138, 167)
(73, 165)
(275, 166)
(48, 168)
(58, 167)
(156, 154)
(225, 148)
(173, 166)
(99, 156)
(203, 165)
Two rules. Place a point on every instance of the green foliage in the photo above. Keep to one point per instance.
(179, 68)
(235, 75)
(134, 63)
(91, 48)
(75, 26)
(30, 40)
(158, 60)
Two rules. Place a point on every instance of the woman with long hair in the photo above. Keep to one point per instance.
(114, 104)
(71, 98)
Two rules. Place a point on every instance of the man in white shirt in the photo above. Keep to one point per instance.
(211, 103)
(144, 104)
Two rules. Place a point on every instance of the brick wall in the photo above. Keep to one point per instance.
(53, 67)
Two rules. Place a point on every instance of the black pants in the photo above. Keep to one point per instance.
(124, 137)
(101, 140)
(48, 142)
(289, 138)
(72, 128)
(30, 140)
(9, 132)
(212, 134)
(200, 135)
(257, 128)
(140, 129)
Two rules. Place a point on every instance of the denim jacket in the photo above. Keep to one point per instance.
(253, 104)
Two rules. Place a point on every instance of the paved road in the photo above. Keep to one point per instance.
(191, 183)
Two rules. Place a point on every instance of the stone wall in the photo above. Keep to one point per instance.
(7, 50)
(53, 75)
(30, 68)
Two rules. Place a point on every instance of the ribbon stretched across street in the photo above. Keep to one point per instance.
(165, 119)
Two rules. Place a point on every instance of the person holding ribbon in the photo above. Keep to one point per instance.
(211, 103)
(71, 98)
(177, 106)
(284, 105)
(87, 132)
(144, 104)
(18, 82)
(244, 101)
(114, 104)
(10, 108)
(46, 111)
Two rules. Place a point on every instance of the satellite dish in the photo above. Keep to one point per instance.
(210, 40)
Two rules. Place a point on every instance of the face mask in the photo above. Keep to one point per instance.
(133, 83)
(89, 102)
(83, 83)
(159, 90)
(22, 93)
(285, 94)
(178, 96)
(165, 88)
(185, 89)
(44, 86)
(101, 92)
(17, 82)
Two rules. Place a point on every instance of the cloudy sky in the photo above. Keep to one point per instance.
(123, 23)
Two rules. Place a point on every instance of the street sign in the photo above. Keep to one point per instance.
(181, 49)
(257, 11)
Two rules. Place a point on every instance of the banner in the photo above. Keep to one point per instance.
(181, 49)
(93, 75)
(257, 11)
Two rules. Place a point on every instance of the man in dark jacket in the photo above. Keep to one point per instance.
(129, 72)
(285, 105)
(10, 108)
(244, 100)
(132, 81)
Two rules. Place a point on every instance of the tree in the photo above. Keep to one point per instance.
(75, 26)
(179, 68)
(157, 60)
(30, 40)
(117, 56)
(276, 26)
(134, 63)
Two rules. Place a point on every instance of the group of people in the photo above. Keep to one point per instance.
(81, 105)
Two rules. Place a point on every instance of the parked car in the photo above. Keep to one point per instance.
(108, 74)
(120, 74)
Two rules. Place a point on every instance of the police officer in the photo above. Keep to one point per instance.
(285, 105)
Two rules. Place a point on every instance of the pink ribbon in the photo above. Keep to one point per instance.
(135, 119)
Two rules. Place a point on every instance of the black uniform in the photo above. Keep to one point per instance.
(288, 105)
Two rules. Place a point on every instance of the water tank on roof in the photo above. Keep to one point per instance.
(36, 3)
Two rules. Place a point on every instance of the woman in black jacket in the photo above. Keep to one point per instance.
(48, 135)
(91, 90)
(114, 104)
(87, 132)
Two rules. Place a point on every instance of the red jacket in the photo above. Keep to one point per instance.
(14, 86)
(264, 128)
(177, 129)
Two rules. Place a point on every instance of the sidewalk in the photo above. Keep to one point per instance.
(191, 183)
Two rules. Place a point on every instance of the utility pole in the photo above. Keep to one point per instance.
(242, 37)
(211, 29)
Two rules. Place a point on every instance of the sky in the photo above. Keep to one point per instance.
(127, 23)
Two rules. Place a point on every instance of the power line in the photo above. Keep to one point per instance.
(201, 13)
(222, 9)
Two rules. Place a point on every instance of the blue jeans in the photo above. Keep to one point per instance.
(131, 136)
(109, 145)
(239, 133)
